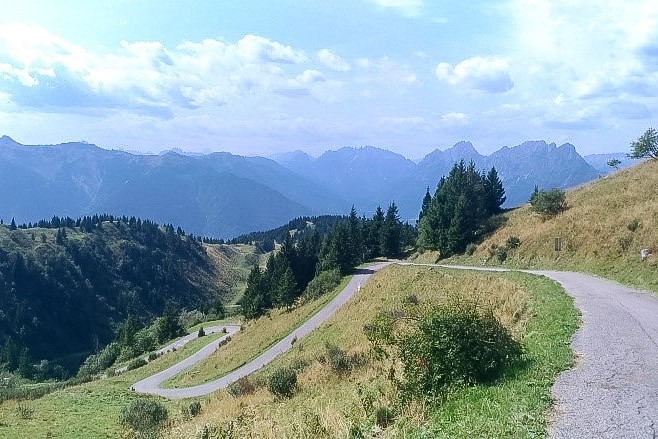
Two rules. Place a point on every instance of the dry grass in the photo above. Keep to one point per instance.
(594, 230)
(327, 405)
(253, 339)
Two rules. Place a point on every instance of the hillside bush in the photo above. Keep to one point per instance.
(444, 346)
(548, 203)
(195, 408)
(241, 387)
(283, 382)
(144, 417)
(470, 248)
(322, 283)
(633, 225)
(339, 360)
(137, 363)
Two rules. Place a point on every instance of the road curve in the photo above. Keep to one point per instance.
(612, 392)
(151, 385)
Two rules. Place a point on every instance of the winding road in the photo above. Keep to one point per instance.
(612, 392)
(152, 384)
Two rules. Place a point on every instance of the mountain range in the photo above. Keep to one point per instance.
(224, 195)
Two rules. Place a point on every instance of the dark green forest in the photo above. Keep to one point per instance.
(461, 210)
(302, 226)
(350, 241)
(66, 284)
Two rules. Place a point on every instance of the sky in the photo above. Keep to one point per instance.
(264, 77)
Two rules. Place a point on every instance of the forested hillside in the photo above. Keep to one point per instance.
(65, 284)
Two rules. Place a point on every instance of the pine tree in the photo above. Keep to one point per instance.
(253, 303)
(391, 233)
(425, 207)
(494, 192)
(355, 237)
(459, 209)
(287, 289)
(12, 225)
(374, 236)
(25, 368)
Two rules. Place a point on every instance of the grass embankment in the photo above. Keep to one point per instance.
(90, 410)
(328, 405)
(254, 338)
(596, 230)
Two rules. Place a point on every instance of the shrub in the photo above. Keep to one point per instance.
(283, 382)
(195, 408)
(188, 319)
(444, 346)
(513, 242)
(153, 356)
(548, 203)
(384, 416)
(470, 248)
(144, 416)
(201, 332)
(633, 225)
(241, 387)
(501, 254)
(339, 360)
(625, 242)
(322, 283)
(137, 363)
(24, 412)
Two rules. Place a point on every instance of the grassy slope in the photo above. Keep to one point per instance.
(536, 310)
(591, 230)
(328, 405)
(255, 337)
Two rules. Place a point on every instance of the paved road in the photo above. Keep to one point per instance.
(613, 390)
(179, 343)
(152, 384)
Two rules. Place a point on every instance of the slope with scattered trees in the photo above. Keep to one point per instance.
(66, 284)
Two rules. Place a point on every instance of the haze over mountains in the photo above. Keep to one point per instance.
(224, 195)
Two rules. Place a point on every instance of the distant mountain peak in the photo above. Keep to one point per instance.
(6, 140)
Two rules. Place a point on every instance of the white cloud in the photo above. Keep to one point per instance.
(40, 69)
(407, 8)
(310, 76)
(488, 74)
(333, 61)
(454, 118)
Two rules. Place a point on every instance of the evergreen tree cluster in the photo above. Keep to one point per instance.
(457, 213)
(63, 292)
(304, 225)
(349, 242)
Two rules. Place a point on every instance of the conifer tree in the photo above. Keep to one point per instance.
(494, 192)
(425, 207)
(253, 300)
(391, 233)
(12, 225)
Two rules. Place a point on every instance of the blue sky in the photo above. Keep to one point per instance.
(260, 77)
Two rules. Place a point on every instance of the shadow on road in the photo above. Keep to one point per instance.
(364, 271)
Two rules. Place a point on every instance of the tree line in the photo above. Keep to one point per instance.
(349, 242)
